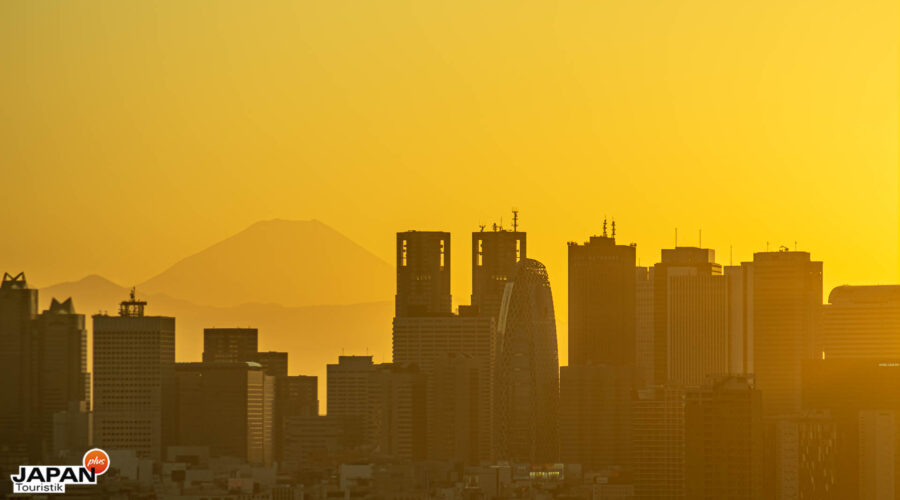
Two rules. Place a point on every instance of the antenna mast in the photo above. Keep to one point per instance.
(515, 220)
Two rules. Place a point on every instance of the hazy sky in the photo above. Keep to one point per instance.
(133, 134)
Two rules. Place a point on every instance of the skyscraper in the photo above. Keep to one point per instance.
(495, 254)
(862, 397)
(783, 304)
(423, 273)
(658, 436)
(18, 309)
(643, 326)
(349, 393)
(295, 396)
(696, 325)
(230, 345)
(274, 363)
(595, 416)
(601, 302)
(682, 262)
(426, 340)
(64, 384)
(862, 322)
(528, 368)
(134, 377)
(397, 407)
(723, 439)
(227, 407)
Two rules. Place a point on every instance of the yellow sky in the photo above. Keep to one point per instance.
(133, 134)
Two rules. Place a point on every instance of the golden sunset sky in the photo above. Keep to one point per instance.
(133, 134)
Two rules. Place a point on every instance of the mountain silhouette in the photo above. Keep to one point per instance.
(291, 263)
(312, 335)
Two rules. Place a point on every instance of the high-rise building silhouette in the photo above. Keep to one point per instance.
(528, 369)
(783, 306)
(862, 397)
(723, 439)
(862, 322)
(226, 407)
(274, 363)
(134, 378)
(679, 262)
(658, 443)
(601, 302)
(697, 337)
(64, 384)
(595, 416)
(455, 416)
(397, 408)
(803, 460)
(425, 340)
(230, 345)
(349, 394)
(643, 326)
(295, 396)
(423, 273)
(495, 254)
(45, 410)
(18, 429)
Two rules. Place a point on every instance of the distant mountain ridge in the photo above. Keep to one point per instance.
(292, 263)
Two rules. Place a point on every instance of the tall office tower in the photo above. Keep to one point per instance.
(677, 262)
(862, 322)
(740, 354)
(783, 306)
(803, 458)
(224, 406)
(296, 396)
(723, 439)
(274, 363)
(64, 384)
(863, 398)
(428, 339)
(423, 273)
(528, 369)
(348, 393)
(595, 416)
(134, 378)
(229, 345)
(454, 426)
(18, 309)
(397, 408)
(601, 302)
(878, 454)
(643, 326)
(696, 325)
(494, 257)
(658, 436)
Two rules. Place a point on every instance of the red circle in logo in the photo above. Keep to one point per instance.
(96, 459)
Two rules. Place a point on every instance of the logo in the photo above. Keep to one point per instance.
(54, 478)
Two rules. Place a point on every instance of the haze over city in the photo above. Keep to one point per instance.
(467, 251)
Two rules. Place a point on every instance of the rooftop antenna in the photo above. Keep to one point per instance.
(614, 228)
(604, 227)
(501, 223)
(481, 227)
(767, 246)
(515, 220)
(795, 245)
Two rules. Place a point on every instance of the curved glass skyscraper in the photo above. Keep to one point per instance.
(527, 369)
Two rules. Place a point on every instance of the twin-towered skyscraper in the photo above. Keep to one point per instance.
(508, 333)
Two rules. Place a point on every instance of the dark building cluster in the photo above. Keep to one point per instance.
(686, 380)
